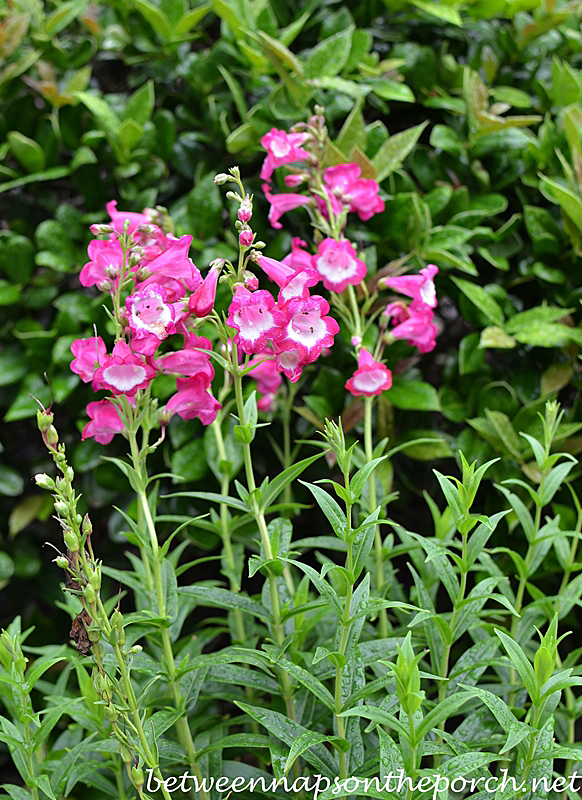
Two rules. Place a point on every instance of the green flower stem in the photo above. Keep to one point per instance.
(378, 555)
(262, 526)
(182, 727)
(345, 628)
(225, 530)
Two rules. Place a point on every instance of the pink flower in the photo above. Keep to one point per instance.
(151, 318)
(417, 329)
(123, 372)
(174, 269)
(308, 328)
(290, 363)
(194, 400)
(293, 281)
(89, 354)
(255, 317)
(246, 237)
(370, 378)
(280, 203)
(361, 194)
(298, 258)
(420, 287)
(118, 218)
(338, 264)
(106, 261)
(282, 148)
(190, 361)
(104, 423)
(201, 302)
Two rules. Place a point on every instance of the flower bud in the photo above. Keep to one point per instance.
(221, 178)
(235, 171)
(52, 436)
(62, 562)
(246, 237)
(89, 594)
(250, 280)
(93, 635)
(137, 777)
(132, 261)
(117, 620)
(137, 648)
(146, 229)
(100, 229)
(44, 420)
(125, 753)
(87, 527)
(259, 245)
(356, 341)
(245, 211)
(110, 713)
(112, 271)
(44, 482)
(142, 274)
(61, 508)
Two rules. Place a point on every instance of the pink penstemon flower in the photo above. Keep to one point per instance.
(89, 354)
(123, 372)
(338, 264)
(371, 377)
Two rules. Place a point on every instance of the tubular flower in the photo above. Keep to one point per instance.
(289, 362)
(123, 372)
(151, 318)
(255, 317)
(338, 264)
(298, 258)
(201, 302)
(104, 422)
(280, 203)
(420, 287)
(282, 148)
(118, 218)
(418, 328)
(293, 281)
(173, 269)
(189, 362)
(359, 193)
(370, 378)
(89, 354)
(308, 329)
(106, 261)
(194, 400)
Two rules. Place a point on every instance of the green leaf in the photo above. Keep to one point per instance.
(570, 203)
(443, 711)
(27, 152)
(495, 336)
(394, 150)
(353, 132)
(223, 598)
(329, 56)
(413, 395)
(105, 117)
(322, 586)
(213, 497)
(64, 14)
(191, 18)
(521, 664)
(288, 731)
(11, 481)
(330, 508)
(140, 105)
(156, 18)
(440, 10)
(481, 299)
(189, 462)
(309, 738)
(311, 683)
(362, 476)
(276, 486)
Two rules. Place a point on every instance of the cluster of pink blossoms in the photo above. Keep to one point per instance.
(167, 291)
(329, 195)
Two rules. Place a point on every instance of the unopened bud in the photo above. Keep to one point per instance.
(164, 418)
(52, 435)
(62, 562)
(246, 237)
(99, 229)
(112, 271)
(117, 620)
(259, 245)
(137, 777)
(137, 648)
(356, 341)
(132, 261)
(250, 280)
(110, 713)
(93, 635)
(125, 753)
(87, 527)
(89, 594)
(44, 482)
(61, 508)
(142, 274)
(44, 420)
(232, 196)
(104, 286)
(146, 229)
(235, 171)
(221, 178)
(245, 211)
